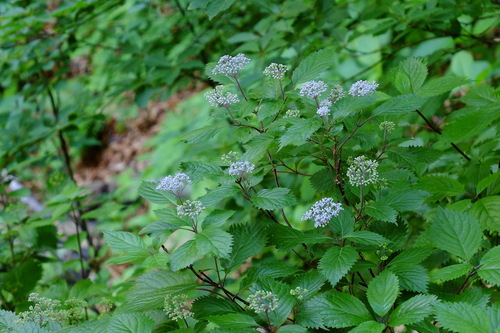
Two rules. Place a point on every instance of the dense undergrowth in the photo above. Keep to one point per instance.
(352, 186)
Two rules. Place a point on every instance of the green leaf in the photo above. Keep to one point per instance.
(411, 277)
(292, 329)
(490, 181)
(212, 305)
(451, 272)
(311, 280)
(249, 240)
(343, 224)
(130, 323)
(366, 237)
(218, 194)
(217, 218)
(197, 171)
(148, 191)
(490, 266)
(349, 105)
(184, 256)
(368, 327)
(313, 65)
(462, 318)
(256, 148)
(416, 70)
(300, 131)
(21, 279)
(233, 320)
(455, 232)
(440, 85)
(127, 246)
(7, 319)
(203, 134)
(309, 313)
(149, 290)
(273, 199)
(215, 7)
(381, 211)
(399, 105)
(440, 186)
(469, 122)
(219, 78)
(214, 241)
(285, 238)
(487, 212)
(322, 180)
(413, 310)
(382, 292)
(169, 215)
(336, 262)
(404, 199)
(412, 256)
(343, 310)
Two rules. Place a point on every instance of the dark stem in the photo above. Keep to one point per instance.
(83, 274)
(240, 89)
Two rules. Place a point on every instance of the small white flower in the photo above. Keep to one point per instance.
(337, 93)
(241, 169)
(174, 184)
(312, 89)
(362, 171)
(362, 88)
(262, 301)
(177, 307)
(190, 208)
(324, 108)
(322, 211)
(217, 98)
(292, 114)
(231, 66)
(276, 71)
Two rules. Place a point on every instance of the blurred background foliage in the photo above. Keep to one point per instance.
(95, 95)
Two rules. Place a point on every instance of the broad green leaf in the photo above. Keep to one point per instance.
(411, 277)
(404, 199)
(130, 323)
(414, 72)
(451, 272)
(218, 194)
(219, 78)
(322, 180)
(368, 327)
(382, 292)
(169, 215)
(21, 279)
(197, 171)
(469, 122)
(233, 320)
(282, 292)
(217, 218)
(203, 134)
(490, 266)
(273, 199)
(292, 329)
(7, 319)
(440, 186)
(184, 256)
(311, 280)
(343, 310)
(148, 191)
(455, 232)
(285, 238)
(412, 256)
(300, 131)
(310, 312)
(381, 211)
(214, 241)
(313, 65)
(349, 105)
(212, 305)
(487, 212)
(491, 180)
(149, 290)
(399, 105)
(127, 247)
(336, 262)
(440, 85)
(215, 7)
(257, 147)
(343, 224)
(366, 237)
(249, 240)
(413, 310)
(462, 318)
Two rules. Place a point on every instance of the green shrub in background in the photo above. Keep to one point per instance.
(421, 164)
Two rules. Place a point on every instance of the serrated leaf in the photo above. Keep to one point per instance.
(462, 318)
(368, 327)
(336, 262)
(381, 212)
(490, 266)
(416, 70)
(309, 313)
(215, 7)
(349, 105)
(412, 256)
(404, 199)
(249, 240)
(413, 310)
(487, 213)
(440, 85)
(451, 272)
(127, 247)
(411, 277)
(282, 292)
(256, 148)
(382, 292)
(491, 180)
(343, 224)
(311, 280)
(313, 65)
(149, 290)
(218, 194)
(130, 323)
(148, 191)
(169, 215)
(285, 238)
(219, 78)
(199, 170)
(273, 199)
(440, 186)
(300, 131)
(214, 241)
(233, 320)
(212, 305)
(292, 329)
(217, 218)
(184, 256)
(366, 237)
(400, 105)
(343, 310)
(203, 134)
(322, 180)
(455, 232)
(468, 122)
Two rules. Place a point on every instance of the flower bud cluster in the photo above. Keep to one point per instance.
(263, 301)
(190, 208)
(362, 171)
(231, 66)
(241, 169)
(216, 97)
(230, 157)
(46, 309)
(174, 184)
(177, 307)
(299, 292)
(362, 88)
(387, 126)
(322, 211)
(337, 93)
(292, 114)
(313, 89)
(276, 71)
(324, 108)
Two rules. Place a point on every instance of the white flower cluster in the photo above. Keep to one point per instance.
(312, 89)
(44, 309)
(276, 71)
(337, 93)
(241, 169)
(177, 307)
(263, 301)
(387, 126)
(217, 98)
(362, 88)
(362, 171)
(190, 208)
(322, 211)
(292, 114)
(174, 184)
(324, 108)
(231, 66)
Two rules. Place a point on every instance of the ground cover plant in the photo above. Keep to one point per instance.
(303, 191)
